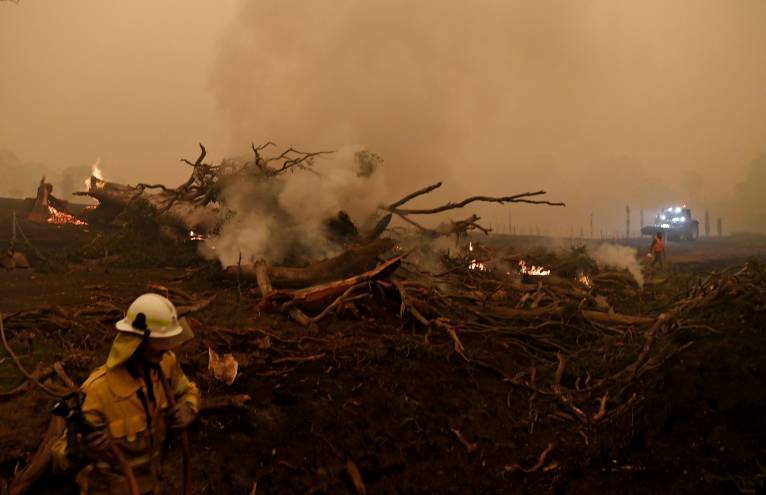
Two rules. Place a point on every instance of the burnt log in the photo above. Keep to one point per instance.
(317, 297)
(170, 210)
(351, 262)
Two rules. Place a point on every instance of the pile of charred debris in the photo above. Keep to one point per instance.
(441, 370)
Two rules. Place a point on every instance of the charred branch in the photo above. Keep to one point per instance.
(461, 227)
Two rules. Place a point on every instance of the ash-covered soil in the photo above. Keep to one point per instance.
(396, 401)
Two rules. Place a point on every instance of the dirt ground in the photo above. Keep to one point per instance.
(375, 391)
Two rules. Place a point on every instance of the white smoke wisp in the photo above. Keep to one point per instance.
(615, 255)
(283, 218)
(336, 185)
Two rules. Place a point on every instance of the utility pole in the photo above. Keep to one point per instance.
(707, 224)
(13, 232)
(591, 225)
(627, 221)
(719, 227)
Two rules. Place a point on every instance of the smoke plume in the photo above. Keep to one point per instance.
(283, 218)
(618, 256)
(602, 106)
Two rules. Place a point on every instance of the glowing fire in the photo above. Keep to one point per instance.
(59, 217)
(476, 265)
(95, 171)
(195, 236)
(585, 280)
(537, 271)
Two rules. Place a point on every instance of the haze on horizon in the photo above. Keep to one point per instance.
(600, 103)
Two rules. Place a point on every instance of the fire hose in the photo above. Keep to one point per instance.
(182, 434)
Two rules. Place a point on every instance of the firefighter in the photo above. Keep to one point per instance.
(125, 402)
(657, 249)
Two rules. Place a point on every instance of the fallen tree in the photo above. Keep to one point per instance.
(199, 204)
(195, 204)
(170, 211)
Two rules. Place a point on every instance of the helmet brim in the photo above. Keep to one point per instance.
(183, 334)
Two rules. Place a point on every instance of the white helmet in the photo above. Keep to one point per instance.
(151, 315)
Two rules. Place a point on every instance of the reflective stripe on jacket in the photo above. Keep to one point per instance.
(136, 426)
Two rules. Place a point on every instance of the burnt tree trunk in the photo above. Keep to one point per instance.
(346, 264)
(170, 211)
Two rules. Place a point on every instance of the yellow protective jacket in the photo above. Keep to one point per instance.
(115, 396)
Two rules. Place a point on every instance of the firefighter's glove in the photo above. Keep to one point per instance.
(96, 443)
(182, 415)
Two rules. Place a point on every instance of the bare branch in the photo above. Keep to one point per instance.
(413, 195)
(516, 198)
(202, 154)
(415, 224)
(303, 159)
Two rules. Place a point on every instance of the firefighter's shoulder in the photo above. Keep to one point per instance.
(96, 376)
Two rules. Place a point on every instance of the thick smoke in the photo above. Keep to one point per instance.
(283, 218)
(606, 105)
(602, 103)
(618, 256)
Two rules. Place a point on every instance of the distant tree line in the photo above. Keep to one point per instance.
(20, 178)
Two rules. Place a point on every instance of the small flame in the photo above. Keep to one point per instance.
(476, 265)
(195, 236)
(537, 271)
(95, 171)
(58, 217)
(585, 280)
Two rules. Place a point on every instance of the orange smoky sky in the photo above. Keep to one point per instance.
(601, 103)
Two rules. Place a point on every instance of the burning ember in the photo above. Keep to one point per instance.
(194, 236)
(585, 280)
(60, 218)
(95, 171)
(537, 271)
(476, 265)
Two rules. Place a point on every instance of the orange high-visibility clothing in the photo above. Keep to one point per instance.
(658, 246)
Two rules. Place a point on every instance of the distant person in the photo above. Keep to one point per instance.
(657, 249)
(126, 405)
